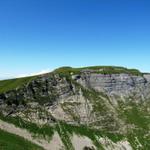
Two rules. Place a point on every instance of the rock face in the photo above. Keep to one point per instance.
(58, 94)
(43, 89)
(116, 102)
(119, 84)
(53, 87)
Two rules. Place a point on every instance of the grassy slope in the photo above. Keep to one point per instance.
(139, 116)
(98, 69)
(7, 85)
(10, 141)
(44, 131)
(65, 132)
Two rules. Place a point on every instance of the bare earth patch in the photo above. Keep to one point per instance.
(54, 144)
(79, 142)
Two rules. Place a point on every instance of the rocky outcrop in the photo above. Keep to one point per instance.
(45, 90)
(112, 102)
(63, 99)
(115, 84)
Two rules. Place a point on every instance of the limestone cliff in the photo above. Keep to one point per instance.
(108, 99)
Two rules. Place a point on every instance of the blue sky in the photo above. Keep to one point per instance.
(45, 34)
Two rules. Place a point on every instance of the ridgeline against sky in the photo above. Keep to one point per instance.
(37, 34)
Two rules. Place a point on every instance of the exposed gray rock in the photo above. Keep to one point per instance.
(65, 101)
(118, 84)
(114, 103)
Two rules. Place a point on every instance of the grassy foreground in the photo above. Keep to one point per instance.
(10, 141)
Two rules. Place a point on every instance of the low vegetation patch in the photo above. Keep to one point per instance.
(10, 141)
(44, 131)
(11, 84)
(67, 71)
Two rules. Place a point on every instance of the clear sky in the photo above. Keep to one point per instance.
(45, 34)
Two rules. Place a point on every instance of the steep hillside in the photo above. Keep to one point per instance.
(99, 107)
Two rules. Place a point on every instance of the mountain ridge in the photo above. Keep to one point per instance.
(110, 100)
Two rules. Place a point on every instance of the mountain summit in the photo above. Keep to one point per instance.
(90, 108)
